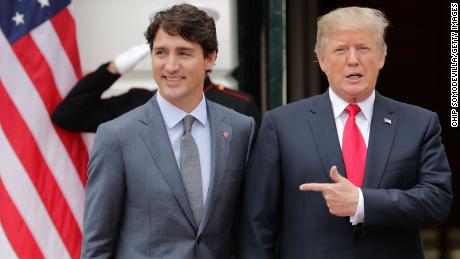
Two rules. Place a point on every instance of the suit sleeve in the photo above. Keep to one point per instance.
(251, 131)
(104, 197)
(425, 204)
(83, 109)
(259, 229)
(252, 137)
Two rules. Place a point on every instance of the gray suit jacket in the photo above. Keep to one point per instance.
(136, 204)
(407, 184)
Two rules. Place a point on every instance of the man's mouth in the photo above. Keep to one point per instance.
(173, 78)
(354, 76)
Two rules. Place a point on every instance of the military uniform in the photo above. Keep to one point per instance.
(83, 109)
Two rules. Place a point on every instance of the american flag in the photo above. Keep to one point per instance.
(42, 167)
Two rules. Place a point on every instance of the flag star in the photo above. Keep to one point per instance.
(18, 18)
(44, 3)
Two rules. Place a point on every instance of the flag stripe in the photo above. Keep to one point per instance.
(18, 233)
(39, 71)
(6, 251)
(26, 149)
(61, 69)
(71, 10)
(50, 46)
(28, 203)
(34, 113)
(43, 168)
(65, 27)
(88, 139)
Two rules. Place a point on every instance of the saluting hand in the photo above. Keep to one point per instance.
(341, 196)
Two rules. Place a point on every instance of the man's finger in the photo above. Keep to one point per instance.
(316, 187)
(334, 174)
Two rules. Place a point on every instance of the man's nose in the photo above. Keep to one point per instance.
(353, 57)
(172, 64)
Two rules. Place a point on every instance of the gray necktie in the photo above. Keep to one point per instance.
(190, 169)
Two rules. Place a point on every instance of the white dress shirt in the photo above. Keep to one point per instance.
(201, 133)
(363, 121)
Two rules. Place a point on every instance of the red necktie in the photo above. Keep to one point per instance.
(354, 149)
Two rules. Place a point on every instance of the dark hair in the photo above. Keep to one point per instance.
(189, 22)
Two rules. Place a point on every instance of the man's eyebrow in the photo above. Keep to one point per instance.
(338, 44)
(179, 48)
(186, 49)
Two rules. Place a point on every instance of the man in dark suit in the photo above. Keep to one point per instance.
(165, 178)
(349, 173)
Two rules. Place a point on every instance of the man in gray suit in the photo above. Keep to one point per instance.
(348, 174)
(164, 179)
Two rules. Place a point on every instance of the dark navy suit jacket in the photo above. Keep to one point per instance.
(407, 184)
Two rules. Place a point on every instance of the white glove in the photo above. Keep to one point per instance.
(125, 61)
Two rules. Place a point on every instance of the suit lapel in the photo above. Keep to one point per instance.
(322, 124)
(153, 132)
(381, 138)
(220, 146)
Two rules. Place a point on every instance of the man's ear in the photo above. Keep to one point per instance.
(210, 60)
(382, 62)
(321, 61)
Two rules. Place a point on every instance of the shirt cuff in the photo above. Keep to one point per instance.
(359, 214)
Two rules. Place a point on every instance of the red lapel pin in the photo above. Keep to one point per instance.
(225, 134)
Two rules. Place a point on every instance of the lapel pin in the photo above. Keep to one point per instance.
(225, 134)
(387, 121)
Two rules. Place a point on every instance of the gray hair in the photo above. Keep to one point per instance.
(352, 18)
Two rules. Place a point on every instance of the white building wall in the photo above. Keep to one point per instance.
(108, 27)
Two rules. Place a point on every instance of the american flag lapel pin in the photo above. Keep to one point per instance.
(387, 121)
(225, 134)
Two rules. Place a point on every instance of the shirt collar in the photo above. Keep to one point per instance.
(339, 105)
(172, 114)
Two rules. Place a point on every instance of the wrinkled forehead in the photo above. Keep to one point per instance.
(351, 37)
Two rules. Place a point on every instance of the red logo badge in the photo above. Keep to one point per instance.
(225, 134)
